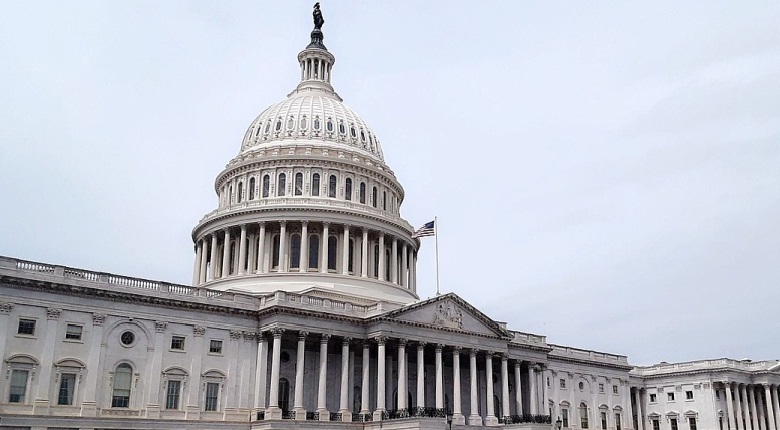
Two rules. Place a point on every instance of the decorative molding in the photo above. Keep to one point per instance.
(198, 330)
(53, 313)
(6, 307)
(160, 326)
(249, 335)
(236, 334)
(98, 319)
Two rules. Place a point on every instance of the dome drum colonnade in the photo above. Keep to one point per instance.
(374, 403)
(308, 194)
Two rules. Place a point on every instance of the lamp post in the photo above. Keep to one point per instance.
(449, 419)
(558, 423)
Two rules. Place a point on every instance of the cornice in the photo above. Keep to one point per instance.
(553, 357)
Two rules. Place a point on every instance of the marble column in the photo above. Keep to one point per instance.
(518, 388)
(213, 260)
(324, 244)
(242, 251)
(322, 408)
(730, 406)
(380, 378)
(381, 257)
(752, 403)
(775, 405)
(740, 408)
(439, 377)
(261, 249)
(303, 260)
(504, 386)
(273, 411)
(364, 254)
(394, 261)
(300, 412)
(366, 382)
(474, 418)
(261, 364)
(283, 254)
(404, 264)
(534, 397)
(204, 261)
(457, 413)
(346, 415)
(402, 376)
(421, 374)
(490, 413)
(345, 252)
(198, 258)
(89, 404)
(226, 255)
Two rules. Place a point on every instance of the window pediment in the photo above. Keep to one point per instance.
(22, 359)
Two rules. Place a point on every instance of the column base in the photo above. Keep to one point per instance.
(346, 415)
(324, 414)
(491, 421)
(273, 413)
(458, 419)
(475, 420)
(89, 409)
(300, 414)
(378, 414)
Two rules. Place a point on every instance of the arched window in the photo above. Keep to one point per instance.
(290, 123)
(329, 125)
(174, 382)
(212, 382)
(348, 189)
(123, 382)
(295, 251)
(373, 197)
(332, 252)
(230, 195)
(240, 191)
(332, 186)
(317, 123)
(281, 185)
(267, 127)
(384, 202)
(275, 252)
(584, 415)
(314, 252)
(315, 184)
(299, 184)
(350, 263)
(342, 129)
(278, 124)
(363, 193)
(266, 185)
(251, 188)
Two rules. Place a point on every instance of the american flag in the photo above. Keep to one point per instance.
(429, 229)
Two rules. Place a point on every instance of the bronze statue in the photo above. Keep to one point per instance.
(318, 19)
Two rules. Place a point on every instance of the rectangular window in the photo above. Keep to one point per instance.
(617, 422)
(67, 385)
(177, 342)
(689, 395)
(692, 423)
(653, 398)
(604, 420)
(563, 383)
(73, 331)
(673, 423)
(670, 397)
(601, 388)
(565, 416)
(172, 395)
(584, 417)
(212, 394)
(656, 424)
(26, 326)
(614, 389)
(18, 387)
(215, 347)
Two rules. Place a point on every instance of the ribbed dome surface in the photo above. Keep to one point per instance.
(311, 116)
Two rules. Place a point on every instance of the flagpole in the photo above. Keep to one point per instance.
(436, 236)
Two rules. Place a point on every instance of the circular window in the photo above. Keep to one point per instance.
(582, 386)
(127, 338)
(285, 356)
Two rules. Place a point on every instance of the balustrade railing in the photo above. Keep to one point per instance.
(312, 416)
(526, 418)
(335, 416)
(362, 418)
(288, 415)
(260, 415)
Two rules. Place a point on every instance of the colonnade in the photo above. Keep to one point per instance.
(752, 406)
(384, 370)
(290, 247)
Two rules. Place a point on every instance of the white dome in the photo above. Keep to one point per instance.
(312, 117)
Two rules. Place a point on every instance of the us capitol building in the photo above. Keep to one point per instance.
(303, 313)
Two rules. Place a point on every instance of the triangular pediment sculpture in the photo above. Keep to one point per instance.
(447, 312)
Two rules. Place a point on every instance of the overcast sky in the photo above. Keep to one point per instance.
(606, 174)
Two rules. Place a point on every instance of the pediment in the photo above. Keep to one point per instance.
(448, 312)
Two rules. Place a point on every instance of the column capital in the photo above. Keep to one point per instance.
(489, 354)
(260, 336)
(283, 223)
(243, 227)
(53, 313)
(440, 347)
(277, 332)
(365, 230)
(346, 340)
(248, 335)
(302, 335)
(347, 226)
(325, 224)
(473, 352)
(504, 356)
(457, 350)
(381, 340)
(402, 343)
(421, 344)
(324, 338)
(198, 330)
(160, 326)
(261, 223)
(304, 223)
(6, 307)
